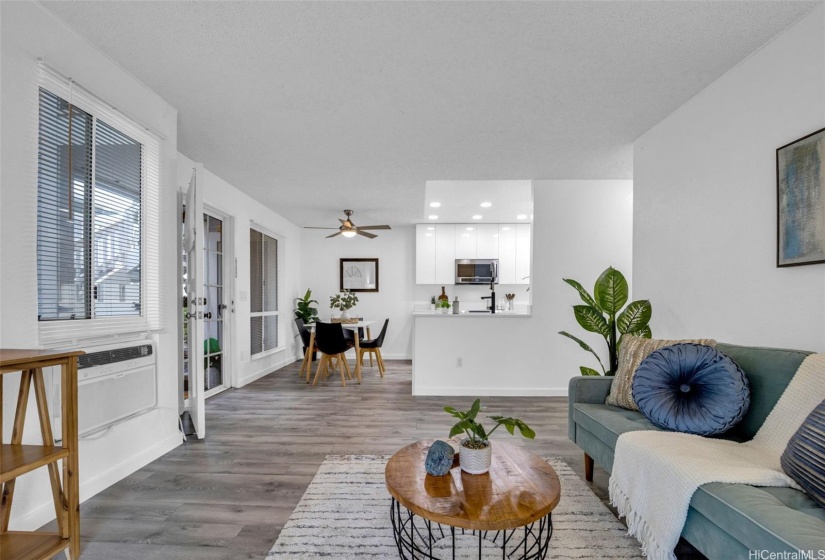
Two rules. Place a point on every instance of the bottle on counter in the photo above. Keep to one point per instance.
(455, 306)
(443, 296)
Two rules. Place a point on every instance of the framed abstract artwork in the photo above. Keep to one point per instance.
(800, 194)
(359, 275)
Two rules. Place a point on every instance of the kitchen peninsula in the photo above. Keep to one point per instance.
(467, 353)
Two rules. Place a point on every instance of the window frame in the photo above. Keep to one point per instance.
(53, 333)
(279, 240)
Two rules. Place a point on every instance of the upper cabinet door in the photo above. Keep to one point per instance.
(487, 241)
(523, 253)
(506, 253)
(424, 254)
(445, 242)
(466, 241)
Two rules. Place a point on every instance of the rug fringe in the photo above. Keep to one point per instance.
(636, 525)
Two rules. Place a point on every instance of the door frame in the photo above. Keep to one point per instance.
(228, 274)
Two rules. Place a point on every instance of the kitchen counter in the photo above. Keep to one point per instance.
(467, 314)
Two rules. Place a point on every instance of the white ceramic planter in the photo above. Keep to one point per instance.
(475, 461)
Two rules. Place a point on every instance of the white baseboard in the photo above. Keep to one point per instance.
(43, 514)
(266, 371)
(487, 392)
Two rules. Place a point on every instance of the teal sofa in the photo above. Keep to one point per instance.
(725, 521)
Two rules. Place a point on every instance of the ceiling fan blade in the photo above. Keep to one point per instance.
(315, 227)
(334, 234)
(366, 234)
(375, 227)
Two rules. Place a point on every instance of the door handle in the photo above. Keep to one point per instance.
(207, 315)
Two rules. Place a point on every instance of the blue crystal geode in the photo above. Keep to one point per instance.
(439, 458)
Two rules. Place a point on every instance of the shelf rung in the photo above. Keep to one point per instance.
(16, 460)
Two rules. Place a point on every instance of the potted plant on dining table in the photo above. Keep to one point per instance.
(344, 301)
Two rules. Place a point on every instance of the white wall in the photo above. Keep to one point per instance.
(243, 211)
(29, 32)
(395, 251)
(705, 202)
(579, 229)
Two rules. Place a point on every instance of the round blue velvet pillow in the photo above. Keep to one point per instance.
(691, 388)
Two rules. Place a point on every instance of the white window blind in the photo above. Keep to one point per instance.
(98, 218)
(263, 275)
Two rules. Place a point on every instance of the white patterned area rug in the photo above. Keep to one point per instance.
(345, 513)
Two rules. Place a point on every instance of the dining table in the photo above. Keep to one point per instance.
(355, 327)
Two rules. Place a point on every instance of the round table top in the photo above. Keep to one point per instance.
(519, 489)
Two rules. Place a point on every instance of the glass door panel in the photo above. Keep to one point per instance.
(213, 309)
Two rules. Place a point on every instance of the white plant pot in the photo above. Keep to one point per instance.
(345, 314)
(475, 461)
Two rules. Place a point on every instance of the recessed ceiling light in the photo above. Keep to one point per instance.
(521, 217)
(465, 235)
(435, 204)
(430, 228)
(486, 204)
(428, 235)
(506, 228)
(432, 217)
(469, 229)
(477, 217)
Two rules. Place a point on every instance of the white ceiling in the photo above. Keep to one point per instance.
(313, 107)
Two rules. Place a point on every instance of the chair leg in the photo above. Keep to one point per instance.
(341, 366)
(588, 468)
(380, 360)
(371, 359)
(321, 365)
(346, 365)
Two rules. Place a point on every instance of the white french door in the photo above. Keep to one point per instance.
(215, 309)
(194, 392)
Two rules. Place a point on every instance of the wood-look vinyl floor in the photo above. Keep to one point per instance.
(228, 496)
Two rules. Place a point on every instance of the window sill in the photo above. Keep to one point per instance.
(260, 355)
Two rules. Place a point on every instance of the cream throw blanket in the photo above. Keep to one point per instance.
(656, 473)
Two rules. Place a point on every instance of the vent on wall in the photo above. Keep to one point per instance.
(114, 382)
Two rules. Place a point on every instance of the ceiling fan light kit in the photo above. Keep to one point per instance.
(349, 229)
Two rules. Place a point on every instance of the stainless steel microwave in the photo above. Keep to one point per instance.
(476, 271)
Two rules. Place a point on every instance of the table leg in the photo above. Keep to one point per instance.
(357, 356)
(308, 354)
(71, 475)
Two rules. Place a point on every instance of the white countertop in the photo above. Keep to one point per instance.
(467, 314)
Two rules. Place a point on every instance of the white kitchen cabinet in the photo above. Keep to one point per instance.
(487, 241)
(445, 244)
(523, 253)
(424, 254)
(465, 241)
(506, 253)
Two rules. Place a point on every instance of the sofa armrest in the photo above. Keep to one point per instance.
(585, 389)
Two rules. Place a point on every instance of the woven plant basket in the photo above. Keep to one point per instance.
(475, 461)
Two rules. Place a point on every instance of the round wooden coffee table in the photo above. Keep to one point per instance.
(505, 513)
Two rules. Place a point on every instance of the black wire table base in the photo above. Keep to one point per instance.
(417, 537)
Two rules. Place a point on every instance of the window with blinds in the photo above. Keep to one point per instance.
(89, 189)
(263, 275)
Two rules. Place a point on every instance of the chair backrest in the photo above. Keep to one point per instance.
(329, 337)
(380, 340)
(303, 331)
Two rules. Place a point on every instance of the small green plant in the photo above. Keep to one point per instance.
(602, 315)
(343, 301)
(443, 304)
(432, 300)
(304, 310)
(477, 436)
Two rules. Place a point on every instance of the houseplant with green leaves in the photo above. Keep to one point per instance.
(304, 310)
(343, 301)
(475, 451)
(602, 314)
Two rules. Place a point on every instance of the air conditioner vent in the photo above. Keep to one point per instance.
(106, 357)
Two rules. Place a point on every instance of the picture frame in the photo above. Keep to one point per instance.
(358, 275)
(800, 201)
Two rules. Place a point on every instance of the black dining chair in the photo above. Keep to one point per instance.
(374, 347)
(329, 339)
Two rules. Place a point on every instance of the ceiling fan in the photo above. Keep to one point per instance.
(349, 229)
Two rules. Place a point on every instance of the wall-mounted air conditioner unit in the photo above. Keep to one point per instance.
(114, 381)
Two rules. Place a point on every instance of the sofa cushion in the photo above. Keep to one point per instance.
(763, 518)
(804, 457)
(632, 351)
(609, 422)
(769, 371)
(691, 388)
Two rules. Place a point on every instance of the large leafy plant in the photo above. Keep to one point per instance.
(304, 310)
(344, 300)
(476, 434)
(603, 314)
